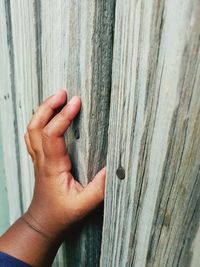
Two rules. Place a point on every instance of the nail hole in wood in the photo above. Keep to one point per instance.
(120, 173)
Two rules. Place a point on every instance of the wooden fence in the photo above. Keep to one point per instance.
(136, 66)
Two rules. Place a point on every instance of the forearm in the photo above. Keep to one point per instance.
(25, 241)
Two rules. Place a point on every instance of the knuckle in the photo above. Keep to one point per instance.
(46, 133)
(64, 118)
(28, 146)
(62, 115)
(30, 128)
(32, 155)
(25, 137)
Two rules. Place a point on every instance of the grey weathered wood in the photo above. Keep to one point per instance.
(76, 53)
(48, 45)
(8, 119)
(4, 212)
(89, 75)
(152, 216)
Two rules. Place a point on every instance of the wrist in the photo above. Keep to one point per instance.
(24, 241)
(34, 225)
(43, 222)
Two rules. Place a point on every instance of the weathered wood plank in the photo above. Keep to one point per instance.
(76, 49)
(8, 119)
(152, 216)
(48, 45)
(195, 250)
(4, 210)
(20, 85)
(25, 83)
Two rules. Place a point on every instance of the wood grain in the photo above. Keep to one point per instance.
(152, 205)
(4, 211)
(152, 216)
(47, 45)
(76, 49)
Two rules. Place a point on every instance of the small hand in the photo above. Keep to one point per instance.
(59, 200)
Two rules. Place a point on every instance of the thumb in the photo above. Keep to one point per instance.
(93, 194)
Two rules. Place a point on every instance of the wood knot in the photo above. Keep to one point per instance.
(120, 173)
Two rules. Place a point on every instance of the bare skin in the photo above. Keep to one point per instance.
(58, 200)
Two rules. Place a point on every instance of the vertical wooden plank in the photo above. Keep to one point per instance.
(52, 19)
(21, 85)
(48, 45)
(92, 82)
(8, 117)
(4, 209)
(152, 215)
(195, 250)
(76, 49)
(25, 84)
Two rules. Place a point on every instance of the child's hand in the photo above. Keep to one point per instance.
(59, 200)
